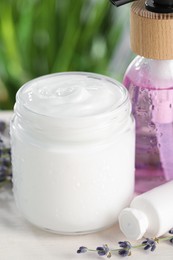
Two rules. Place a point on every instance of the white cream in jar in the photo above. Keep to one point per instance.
(72, 138)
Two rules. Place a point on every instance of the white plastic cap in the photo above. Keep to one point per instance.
(133, 223)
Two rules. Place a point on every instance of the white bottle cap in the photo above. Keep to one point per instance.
(133, 223)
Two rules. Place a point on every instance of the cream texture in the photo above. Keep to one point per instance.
(71, 96)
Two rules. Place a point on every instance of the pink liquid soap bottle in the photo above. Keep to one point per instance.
(149, 79)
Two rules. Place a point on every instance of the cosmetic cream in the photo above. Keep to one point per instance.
(72, 152)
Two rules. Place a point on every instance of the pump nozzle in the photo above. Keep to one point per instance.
(121, 2)
(159, 6)
(156, 6)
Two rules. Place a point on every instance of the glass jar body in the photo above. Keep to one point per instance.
(75, 186)
(150, 85)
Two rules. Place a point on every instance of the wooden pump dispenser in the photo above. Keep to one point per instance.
(151, 28)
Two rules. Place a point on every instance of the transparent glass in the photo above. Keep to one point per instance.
(73, 169)
(150, 85)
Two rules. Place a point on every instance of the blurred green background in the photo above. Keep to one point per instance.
(39, 37)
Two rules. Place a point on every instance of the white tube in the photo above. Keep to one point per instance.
(150, 214)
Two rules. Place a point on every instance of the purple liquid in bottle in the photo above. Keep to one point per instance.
(150, 85)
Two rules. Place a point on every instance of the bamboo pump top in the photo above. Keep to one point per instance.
(151, 24)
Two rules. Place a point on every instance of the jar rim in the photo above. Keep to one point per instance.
(113, 109)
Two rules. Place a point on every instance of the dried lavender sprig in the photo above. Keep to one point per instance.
(5, 154)
(5, 164)
(125, 247)
(3, 126)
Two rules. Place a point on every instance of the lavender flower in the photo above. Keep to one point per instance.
(5, 166)
(5, 161)
(5, 154)
(2, 126)
(2, 177)
(171, 231)
(104, 250)
(124, 252)
(125, 244)
(171, 240)
(149, 244)
(82, 249)
(126, 248)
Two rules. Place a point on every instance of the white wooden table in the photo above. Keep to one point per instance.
(19, 240)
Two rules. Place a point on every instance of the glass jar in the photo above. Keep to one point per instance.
(73, 146)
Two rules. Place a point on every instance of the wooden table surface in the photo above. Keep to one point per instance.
(19, 240)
